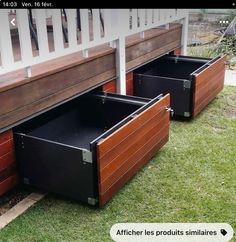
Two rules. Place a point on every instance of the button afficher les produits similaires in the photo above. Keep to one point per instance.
(176, 232)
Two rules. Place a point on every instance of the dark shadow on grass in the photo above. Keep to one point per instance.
(61, 198)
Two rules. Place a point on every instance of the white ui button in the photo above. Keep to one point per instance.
(172, 232)
(13, 21)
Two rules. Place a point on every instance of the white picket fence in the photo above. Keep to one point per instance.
(97, 26)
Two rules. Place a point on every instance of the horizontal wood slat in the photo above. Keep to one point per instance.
(56, 81)
(131, 144)
(6, 136)
(104, 198)
(214, 84)
(120, 134)
(7, 160)
(8, 183)
(177, 51)
(10, 170)
(111, 85)
(208, 83)
(129, 84)
(209, 98)
(129, 76)
(130, 139)
(129, 157)
(152, 44)
(143, 59)
(203, 77)
(47, 102)
(142, 133)
(6, 147)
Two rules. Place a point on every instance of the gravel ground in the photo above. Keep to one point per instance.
(11, 198)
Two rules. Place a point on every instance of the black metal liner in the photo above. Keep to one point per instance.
(140, 101)
(80, 122)
(174, 75)
(51, 148)
(54, 167)
(206, 65)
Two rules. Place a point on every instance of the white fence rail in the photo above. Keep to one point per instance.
(44, 34)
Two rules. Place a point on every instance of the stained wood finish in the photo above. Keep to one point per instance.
(8, 183)
(54, 83)
(6, 147)
(177, 51)
(208, 83)
(57, 81)
(124, 152)
(7, 160)
(10, 170)
(111, 86)
(55, 98)
(129, 84)
(5, 136)
(149, 49)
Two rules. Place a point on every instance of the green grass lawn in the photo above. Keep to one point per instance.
(192, 179)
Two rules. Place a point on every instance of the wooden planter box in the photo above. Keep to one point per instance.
(192, 82)
(88, 148)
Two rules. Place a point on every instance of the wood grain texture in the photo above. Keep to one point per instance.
(111, 85)
(130, 154)
(7, 160)
(208, 83)
(129, 84)
(52, 99)
(177, 51)
(8, 183)
(152, 44)
(104, 198)
(131, 145)
(5, 136)
(46, 86)
(17, 78)
(5, 173)
(6, 147)
(53, 83)
(149, 56)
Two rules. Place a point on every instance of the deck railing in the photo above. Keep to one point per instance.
(28, 37)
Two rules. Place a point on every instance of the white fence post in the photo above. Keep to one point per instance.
(123, 23)
(118, 23)
(96, 25)
(41, 25)
(134, 19)
(72, 28)
(5, 40)
(24, 36)
(184, 38)
(84, 30)
(57, 30)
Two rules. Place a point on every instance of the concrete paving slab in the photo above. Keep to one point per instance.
(19, 208)
(230, 77)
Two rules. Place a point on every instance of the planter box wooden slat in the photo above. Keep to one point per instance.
(68, 149)
(208, 83)
(192, 82)
(137, 144)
